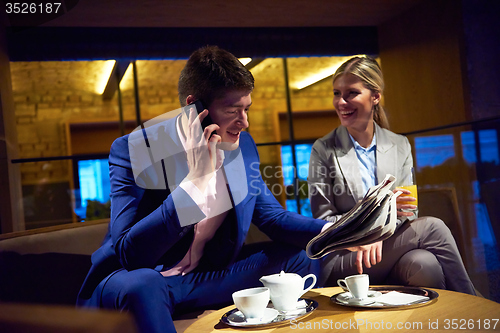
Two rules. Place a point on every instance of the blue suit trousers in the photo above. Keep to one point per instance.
(154, 299)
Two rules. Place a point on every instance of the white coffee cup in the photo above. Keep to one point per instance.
(357, 285)
(252, 302)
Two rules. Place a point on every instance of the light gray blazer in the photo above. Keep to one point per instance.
(334, 179)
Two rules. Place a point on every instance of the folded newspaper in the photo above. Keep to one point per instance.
(371, 220)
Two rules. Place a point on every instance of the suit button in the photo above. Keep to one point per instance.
(184, 231)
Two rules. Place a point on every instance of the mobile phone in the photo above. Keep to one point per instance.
(199, 108)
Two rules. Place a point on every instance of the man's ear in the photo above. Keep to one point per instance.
(190, 99)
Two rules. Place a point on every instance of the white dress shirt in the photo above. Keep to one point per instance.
(215, 203)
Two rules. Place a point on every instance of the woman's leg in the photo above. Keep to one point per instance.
(426, 233)
(418, 268)
(433, 235)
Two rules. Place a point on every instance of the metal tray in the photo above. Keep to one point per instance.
(342, 298)
(282, 318)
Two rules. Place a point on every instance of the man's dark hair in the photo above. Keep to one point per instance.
(210, 72)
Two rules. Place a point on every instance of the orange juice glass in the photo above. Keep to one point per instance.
(410, 184)
(413, 190)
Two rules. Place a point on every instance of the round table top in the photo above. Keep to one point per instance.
(451, 311)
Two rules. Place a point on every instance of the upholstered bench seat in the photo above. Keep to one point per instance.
(42, 270)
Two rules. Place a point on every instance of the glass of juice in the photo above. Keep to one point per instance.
(410, 184)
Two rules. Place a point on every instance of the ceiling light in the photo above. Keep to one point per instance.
(127, 79)
(322, 74)
(245, 61)
(105, 74)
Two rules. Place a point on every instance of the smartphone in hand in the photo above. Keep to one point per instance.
(199, 109)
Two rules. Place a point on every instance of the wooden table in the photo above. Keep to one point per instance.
(450, 312)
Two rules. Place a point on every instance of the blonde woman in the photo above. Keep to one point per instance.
(355, 156)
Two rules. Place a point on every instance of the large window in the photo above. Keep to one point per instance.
(435, 152)
(465, 158)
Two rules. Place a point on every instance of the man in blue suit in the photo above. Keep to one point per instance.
(182, 200)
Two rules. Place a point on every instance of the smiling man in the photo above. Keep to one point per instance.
(181, 207)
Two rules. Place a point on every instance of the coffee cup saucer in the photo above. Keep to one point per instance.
(362, 301)
(347, 298)
(238, 318)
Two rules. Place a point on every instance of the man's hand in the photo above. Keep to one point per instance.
(404, 205)
(368, 255)
(201, 149)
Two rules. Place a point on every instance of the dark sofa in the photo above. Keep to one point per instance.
(44, 269)
(47, 266)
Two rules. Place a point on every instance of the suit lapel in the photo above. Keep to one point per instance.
(386, 154)
(236, 176)
(237, 185)
(348, 162)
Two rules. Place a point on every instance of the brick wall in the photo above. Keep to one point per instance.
(41, 130)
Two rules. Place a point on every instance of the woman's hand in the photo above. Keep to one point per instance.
(368, 255)
(201, 149)
(402, 202)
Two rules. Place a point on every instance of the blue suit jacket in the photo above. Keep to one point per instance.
(145, 230)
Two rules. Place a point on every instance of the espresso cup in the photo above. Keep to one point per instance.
(357, 285)
(252, 302)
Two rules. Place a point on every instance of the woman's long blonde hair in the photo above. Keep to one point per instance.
(369, 72)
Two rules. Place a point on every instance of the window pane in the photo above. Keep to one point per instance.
(268, 98)
(94, 189)
(46, 202)
(489, 146)
(303, 154)
(61, 110)
(466, 159)
(468, 146)
(434, 150)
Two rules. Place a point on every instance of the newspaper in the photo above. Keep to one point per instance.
(371, 220)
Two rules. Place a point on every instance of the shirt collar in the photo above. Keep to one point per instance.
(357, 146)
